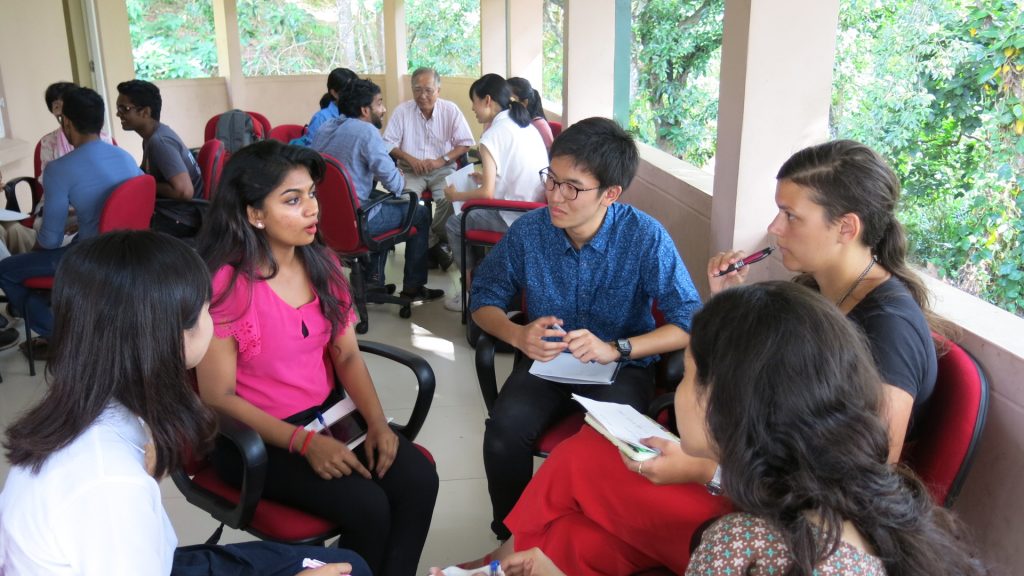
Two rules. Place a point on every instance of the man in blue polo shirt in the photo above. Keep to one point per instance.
(81, 179)
(592, 267)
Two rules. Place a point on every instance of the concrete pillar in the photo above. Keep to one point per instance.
(774, 96)
(395, 59)
(589, 65)
(494, 37)
(526, 28)
(229, 50)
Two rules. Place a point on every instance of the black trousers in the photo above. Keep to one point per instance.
(385, 520)
(525, 408)
(258, 559)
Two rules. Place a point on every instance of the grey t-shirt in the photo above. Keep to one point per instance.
(164, 156)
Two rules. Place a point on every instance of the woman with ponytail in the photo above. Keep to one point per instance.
(337, 80)
(837, 228)
(512, 153)
(526, 94)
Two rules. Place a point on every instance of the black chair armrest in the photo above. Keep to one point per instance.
(425, 382)
(662, 403)
(254, 464)
(486, 347)
(669, 370)
(11, 189)
(362, 215)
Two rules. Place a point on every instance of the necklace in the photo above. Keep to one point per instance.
(856, 283)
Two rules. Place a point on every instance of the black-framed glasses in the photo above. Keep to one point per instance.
(567, 190)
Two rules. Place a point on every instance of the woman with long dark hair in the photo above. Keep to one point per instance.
(512, 153)
(337, 81)
(529, 96)
(282, 326)
(130, 318)
(782, 391)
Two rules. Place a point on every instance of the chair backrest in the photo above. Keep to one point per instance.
(556, 128)
(212, 157)
(949, 429)
(338, 204)
(37, 159)
(260, 125)
(130, 206)
(288, 132)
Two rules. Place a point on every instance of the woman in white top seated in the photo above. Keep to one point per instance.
(131, 317)
(512, 154)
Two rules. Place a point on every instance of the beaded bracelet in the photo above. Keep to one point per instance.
(305, 443)
(291, 448)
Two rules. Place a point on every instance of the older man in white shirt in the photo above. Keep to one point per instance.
(426, 135)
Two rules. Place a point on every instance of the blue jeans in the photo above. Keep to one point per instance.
(390, 217)
(15, 270)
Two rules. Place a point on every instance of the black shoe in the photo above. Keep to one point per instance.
(441, 255)
(4, 322)
(8, 338)
(423, 294)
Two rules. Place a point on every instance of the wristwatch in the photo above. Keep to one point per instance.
(714, 486)
(446, 159)
(624, 348)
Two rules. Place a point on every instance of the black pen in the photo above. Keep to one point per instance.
(753, 258)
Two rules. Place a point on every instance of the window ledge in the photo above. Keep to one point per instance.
(13, 150)
(985, 321)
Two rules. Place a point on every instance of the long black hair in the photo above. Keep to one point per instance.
(337, 80)
(498, 89)
(793, 405)
(528, 95)
(227, 237)
(121, 304)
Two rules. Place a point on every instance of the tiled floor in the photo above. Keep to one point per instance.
(453, 431)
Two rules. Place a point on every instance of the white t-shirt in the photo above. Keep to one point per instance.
(91, 510)
(519, 154)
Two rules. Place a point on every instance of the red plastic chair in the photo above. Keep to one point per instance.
(260, 124)
(244, 507)
(212, 157)
(343, 224)
(288, 132)
(556, 128)
(949, 429)
(129, 207)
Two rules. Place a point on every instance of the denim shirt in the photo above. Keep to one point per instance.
(607, 286)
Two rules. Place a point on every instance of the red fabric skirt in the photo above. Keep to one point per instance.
(592, 515)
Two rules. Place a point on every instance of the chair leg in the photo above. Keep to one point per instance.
(359, 294)
(28, 338)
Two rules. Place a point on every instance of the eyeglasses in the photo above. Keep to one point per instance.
(428, 91)
(567, 190)
(122, 109)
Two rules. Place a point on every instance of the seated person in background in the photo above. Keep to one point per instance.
(837, 204)
(354, 139)
(336, 82)
(81, 179)
(526, 94)
(82, 496)
(589, 266)
(815, 495)
(511, 153)
(426, 135)
(280, 301)
(18, 238)
(164, 156)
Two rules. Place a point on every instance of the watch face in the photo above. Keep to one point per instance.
(624, 346)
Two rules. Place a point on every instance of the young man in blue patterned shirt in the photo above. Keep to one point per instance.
(593, 267)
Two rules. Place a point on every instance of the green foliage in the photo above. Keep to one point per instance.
(444, 35)
(553, 58)
(677, 46)
(172, 38)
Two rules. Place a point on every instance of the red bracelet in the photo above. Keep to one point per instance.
(292, 441)
(305, 443)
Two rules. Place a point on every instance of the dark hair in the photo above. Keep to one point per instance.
(797, 429)
(227, 238)
(425, 70)
(498, 89)
(144, 95)
(526, 93)
(849, 177)
(355, 96)
(55, 92)
(83, 107)
(600, 146)
(121, 303)
(336, 81)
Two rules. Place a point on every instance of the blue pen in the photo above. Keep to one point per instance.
(320, 419)
(495, 567)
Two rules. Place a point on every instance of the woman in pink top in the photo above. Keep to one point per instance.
(280, 300)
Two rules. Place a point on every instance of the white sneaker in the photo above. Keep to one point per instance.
(454, 303)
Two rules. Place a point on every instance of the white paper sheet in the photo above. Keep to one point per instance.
(623, 421)
(11, 216)
(462, 180)
(567, 369)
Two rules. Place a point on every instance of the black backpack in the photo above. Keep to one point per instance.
(235, 129)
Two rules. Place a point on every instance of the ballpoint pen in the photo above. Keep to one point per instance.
(753, 258)
(320, 419)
